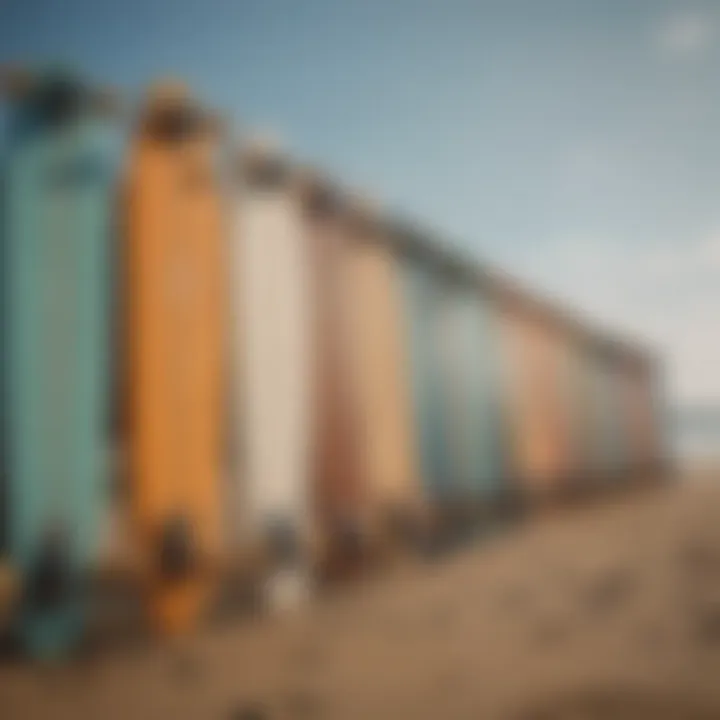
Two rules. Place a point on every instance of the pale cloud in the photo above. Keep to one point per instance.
(712, 251)
(659, 295)
(590, 161)
(686, 260)
(586, 169)
(684, 34)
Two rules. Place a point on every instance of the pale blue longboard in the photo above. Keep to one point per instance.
(426, 381)
(432, 433)
(57, 175)
(467, 346)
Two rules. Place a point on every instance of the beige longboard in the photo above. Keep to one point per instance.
(272, 351)
(381, 373)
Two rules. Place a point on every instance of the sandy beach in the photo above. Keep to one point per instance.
(606, 611)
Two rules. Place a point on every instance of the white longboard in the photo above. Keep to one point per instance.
(272, 353)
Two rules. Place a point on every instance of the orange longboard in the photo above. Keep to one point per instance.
(174, 321)
(639, 418)
(541, 437)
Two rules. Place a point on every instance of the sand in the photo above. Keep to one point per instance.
(607, 611)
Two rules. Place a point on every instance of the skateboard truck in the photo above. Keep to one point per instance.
(178, 557)
(284, 543)
(49, 578)
(350, 538)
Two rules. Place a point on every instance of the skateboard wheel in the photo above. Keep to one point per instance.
(284, 544)
(177, 551)
(48, 582)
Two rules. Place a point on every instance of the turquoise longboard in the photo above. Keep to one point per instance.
(57, 176)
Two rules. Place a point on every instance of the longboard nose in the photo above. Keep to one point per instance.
(171, 114)
(167, 91)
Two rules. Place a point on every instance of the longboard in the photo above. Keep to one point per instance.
(640, 408)
(380, 376)
(273, 362)
(421, 304)
(58, 178)
(175, 323)
(471, 380)
(654, 420)
(580, 414)
(539, 440)
(621, 435)
(608, 415)
(339, 467)
(562, 397)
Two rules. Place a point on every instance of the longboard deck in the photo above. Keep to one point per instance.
(380, 363)
(58, 178)
(539, 436)
(607, 429)
(340, 467)
(272, 360)
(175, 294)
(561, 407)
(471, 378)
(420, 302)
(580, 415)
(640, 410)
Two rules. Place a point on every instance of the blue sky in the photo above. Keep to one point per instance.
(573, 142)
